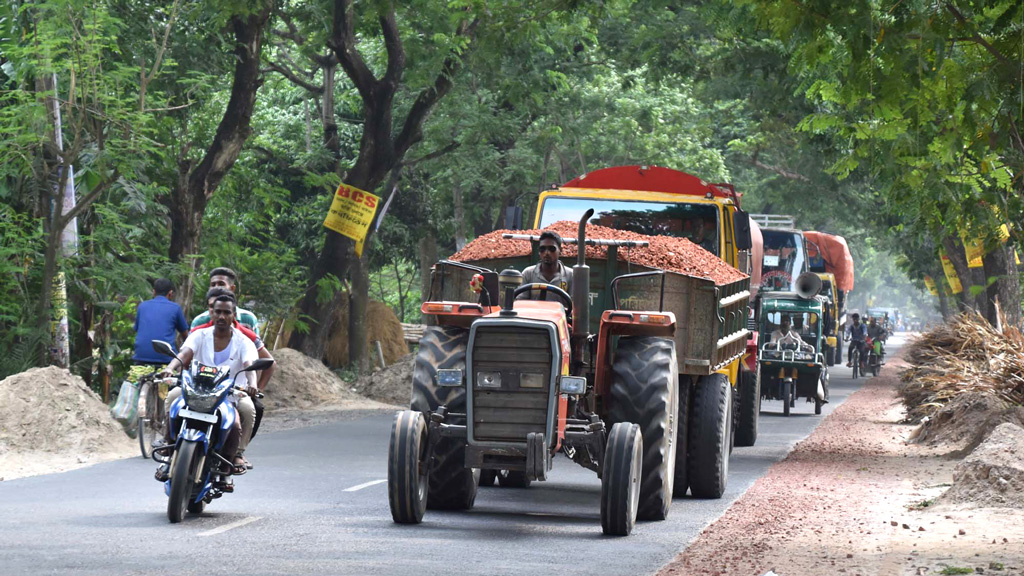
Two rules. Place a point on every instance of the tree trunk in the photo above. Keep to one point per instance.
(943, 302)
(460, 218)
(428, 257)
(198, 181)
(1000, 264)
(358, 303)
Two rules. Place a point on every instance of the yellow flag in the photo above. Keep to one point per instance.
(951, 277)
(929, 283)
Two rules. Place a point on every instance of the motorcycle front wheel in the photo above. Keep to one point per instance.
(182, 479)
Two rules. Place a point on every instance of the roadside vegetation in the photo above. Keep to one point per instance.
(197, 135)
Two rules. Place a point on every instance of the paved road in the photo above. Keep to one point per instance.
(316, 503)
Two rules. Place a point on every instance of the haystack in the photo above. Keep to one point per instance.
(382, 324)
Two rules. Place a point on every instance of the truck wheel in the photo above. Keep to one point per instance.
(749, 407)
(452, 486)
(620, 479)
(708, 459)
(407, 474)
(645, 391)
(513, 479)
(681, 481)
(830, 357)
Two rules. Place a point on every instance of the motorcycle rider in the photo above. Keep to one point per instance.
(220, 345)
(857, 334)
(248, 427)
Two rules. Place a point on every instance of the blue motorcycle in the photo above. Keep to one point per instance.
(201, 420)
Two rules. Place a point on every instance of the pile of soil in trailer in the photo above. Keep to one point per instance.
(664, 252)
(966, 377)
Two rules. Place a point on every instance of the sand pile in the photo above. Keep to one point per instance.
(302, 382)
(383, 326)
(993, 474)
(967, 420)
(393, 385)
(49, 412)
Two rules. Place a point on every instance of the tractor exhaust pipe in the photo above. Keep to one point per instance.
(580, 299)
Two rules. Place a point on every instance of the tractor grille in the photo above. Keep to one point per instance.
(509, 411)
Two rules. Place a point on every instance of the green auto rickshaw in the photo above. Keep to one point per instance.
(791, 362)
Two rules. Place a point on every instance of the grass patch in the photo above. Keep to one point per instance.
(921, 506)
(956, 570)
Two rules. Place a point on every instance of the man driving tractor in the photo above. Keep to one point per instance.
(550, 270)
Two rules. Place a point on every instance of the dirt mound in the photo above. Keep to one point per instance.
(49, 410)
(993, 474)
(665, 252)
(392, 385)
(383, 326)
(966, 420)
(303, 382)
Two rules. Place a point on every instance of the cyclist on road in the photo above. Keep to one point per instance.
(857, 334)
(158, 319)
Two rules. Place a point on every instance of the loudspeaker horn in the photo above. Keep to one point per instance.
(808, 285)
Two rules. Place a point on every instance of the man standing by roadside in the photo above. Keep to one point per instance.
(158, 319)
(226, 278)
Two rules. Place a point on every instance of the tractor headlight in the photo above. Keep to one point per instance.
(572, 384)
(449, 377)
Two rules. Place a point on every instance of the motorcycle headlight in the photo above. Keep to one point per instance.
(201, 400)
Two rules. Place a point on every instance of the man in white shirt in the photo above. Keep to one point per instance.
(785, 333)
(223, 345)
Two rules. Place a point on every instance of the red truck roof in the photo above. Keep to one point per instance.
(651, 179)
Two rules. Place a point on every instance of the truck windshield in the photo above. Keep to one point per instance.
(785, 258)
(696, 222)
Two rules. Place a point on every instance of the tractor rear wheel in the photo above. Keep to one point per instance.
(645, 391)
(710, 429)
(749, 406)
(620, 479)
(407, 472)
(452, 486)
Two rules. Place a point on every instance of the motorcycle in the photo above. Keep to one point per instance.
(203, 416)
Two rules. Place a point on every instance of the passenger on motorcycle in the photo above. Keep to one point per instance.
(878, 335)
(221, 345)
(857, 334)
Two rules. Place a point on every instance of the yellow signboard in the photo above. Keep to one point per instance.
(951, 277)
(929, 283)
(351, 213)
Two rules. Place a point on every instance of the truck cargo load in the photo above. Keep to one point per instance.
(835, 253)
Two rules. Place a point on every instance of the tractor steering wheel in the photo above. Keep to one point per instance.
(562, 295)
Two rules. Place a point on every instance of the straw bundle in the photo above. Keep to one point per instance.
(966, 354)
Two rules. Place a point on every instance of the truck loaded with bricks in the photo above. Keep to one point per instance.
(632, 375)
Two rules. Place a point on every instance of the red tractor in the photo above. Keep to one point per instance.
(499, 390)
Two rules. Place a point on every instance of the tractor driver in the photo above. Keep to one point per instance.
(550, 270)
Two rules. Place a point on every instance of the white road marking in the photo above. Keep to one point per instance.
(231, 526)
(364, 485)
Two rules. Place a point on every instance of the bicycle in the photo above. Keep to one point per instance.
(152, 414)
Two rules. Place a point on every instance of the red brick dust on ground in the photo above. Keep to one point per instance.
(854, 499)
(665, 252)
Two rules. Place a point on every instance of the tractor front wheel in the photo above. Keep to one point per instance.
(407, 471)
(620, 479)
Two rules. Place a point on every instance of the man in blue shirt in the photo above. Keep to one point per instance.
(158, 319)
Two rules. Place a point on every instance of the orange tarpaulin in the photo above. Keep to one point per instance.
(836, 254)
(756, 256)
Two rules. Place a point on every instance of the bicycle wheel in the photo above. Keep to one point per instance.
(151, 418)
(855, 359)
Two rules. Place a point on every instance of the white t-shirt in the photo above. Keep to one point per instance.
(241, 351)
